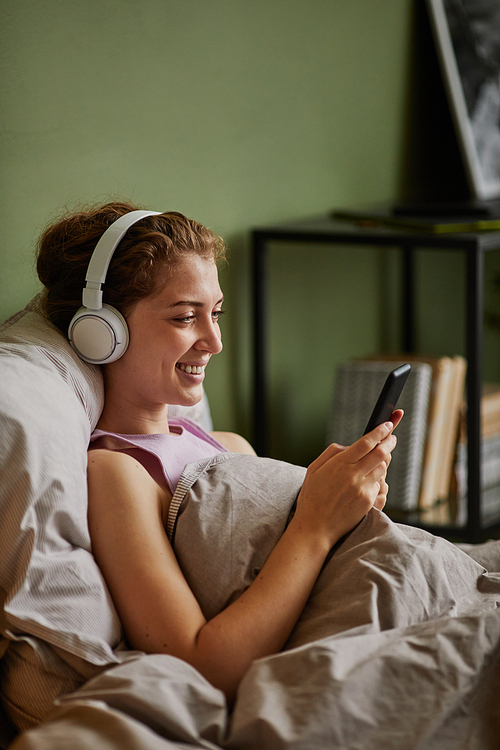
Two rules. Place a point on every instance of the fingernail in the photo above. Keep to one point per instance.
(389, 425)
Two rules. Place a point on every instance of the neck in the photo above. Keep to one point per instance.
(130, 419)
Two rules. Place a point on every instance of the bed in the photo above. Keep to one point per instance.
(398, 646)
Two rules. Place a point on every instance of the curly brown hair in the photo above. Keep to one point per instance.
(139, 265)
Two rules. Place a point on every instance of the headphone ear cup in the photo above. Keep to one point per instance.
(98, 336)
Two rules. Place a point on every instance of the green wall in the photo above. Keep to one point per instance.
(237, 114)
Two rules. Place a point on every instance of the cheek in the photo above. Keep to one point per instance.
(156, 346)
(142, 357)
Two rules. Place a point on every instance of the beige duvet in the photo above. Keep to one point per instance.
(398, 646)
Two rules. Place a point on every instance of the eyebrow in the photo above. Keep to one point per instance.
(192, 303)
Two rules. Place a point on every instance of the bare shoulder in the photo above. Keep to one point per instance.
(114, 464)
(116, 479)
(234, 442)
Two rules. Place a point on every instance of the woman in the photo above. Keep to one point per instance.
(163, 279)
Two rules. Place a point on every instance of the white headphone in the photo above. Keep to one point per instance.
(98, 333)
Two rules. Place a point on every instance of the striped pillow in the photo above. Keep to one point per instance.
(49, 402)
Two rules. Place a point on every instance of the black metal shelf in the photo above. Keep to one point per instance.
(326, 230)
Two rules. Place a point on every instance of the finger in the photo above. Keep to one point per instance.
(382, 494)
(379, 503)
(396, 417)
(365, 445)
(379, 454)
(384, 487)
(385, 463)
(379, 458)
(333, 450)
(377, 474)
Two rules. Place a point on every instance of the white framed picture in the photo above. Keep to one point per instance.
(467, 34)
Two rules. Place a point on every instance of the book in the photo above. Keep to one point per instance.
(453, 409)
(357, 386)
(490, 400)
(490, 478)
(443, 420)
(490, 412)
(490, 458)
(385, 217)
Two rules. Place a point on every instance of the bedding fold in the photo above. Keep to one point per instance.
(232, 510)
(398, 647)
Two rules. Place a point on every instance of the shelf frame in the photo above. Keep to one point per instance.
(328, 231)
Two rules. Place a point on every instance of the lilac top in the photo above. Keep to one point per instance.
(163, 456)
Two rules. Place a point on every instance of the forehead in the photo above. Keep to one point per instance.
(193, 279)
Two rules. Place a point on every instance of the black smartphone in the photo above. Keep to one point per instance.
(388, 397)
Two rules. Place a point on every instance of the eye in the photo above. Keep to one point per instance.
(187, 319)
(217, 313)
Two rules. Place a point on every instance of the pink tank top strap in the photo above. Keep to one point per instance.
(186, 442)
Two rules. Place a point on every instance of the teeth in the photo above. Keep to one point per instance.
(191, 369)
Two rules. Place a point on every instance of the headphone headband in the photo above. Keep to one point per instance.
(99, 333)
(103, 252)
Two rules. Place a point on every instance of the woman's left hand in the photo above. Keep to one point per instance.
(384, 487)
(382, 495)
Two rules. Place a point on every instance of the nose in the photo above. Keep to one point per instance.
(211, 340)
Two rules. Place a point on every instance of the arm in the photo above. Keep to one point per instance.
(156, 606)
(234, 442)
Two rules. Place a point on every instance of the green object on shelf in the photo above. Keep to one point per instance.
(384, 217)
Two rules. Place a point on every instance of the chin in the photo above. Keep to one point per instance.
(188, 400)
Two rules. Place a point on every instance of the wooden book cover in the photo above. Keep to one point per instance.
(490, 402)
(490, 413)
(491, 427)
(453, 410)
(490, 410)
(443, 374)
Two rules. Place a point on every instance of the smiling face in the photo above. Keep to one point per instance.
(173, 335)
